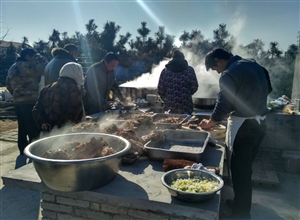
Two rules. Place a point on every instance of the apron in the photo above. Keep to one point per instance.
(233, 125)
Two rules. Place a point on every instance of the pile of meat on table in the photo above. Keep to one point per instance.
(137, 128)
(96, 147)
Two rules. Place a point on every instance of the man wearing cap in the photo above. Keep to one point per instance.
(244, 87)
(99, 81)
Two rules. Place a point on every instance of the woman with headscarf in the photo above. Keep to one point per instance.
(177, 84)
(61, 101)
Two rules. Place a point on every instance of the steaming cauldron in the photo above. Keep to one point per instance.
(80, 174)
(206, 96)
(204, 101)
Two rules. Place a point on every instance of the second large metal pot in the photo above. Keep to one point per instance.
(206, 95)
(204, 101)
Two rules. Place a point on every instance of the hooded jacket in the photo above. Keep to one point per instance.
(60, 58)
(61, 101)
(22, 80)
(177, 84)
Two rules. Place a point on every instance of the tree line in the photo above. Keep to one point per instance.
(138, 55)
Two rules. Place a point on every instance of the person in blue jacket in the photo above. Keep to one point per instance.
(61, 56)
(244, 87)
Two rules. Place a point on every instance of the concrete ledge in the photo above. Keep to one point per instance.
(135, 193)
(24, 178)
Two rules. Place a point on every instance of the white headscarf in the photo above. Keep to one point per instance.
(72, 70)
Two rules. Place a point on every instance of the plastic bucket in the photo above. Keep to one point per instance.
(151, 98)
(291, 161)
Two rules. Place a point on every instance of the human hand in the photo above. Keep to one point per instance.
(206, 124)
(46, 127)
(125, 101)
(107, 106)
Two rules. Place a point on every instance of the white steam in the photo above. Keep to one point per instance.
(150, 80)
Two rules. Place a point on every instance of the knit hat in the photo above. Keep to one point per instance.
(177, 54)
(72, 70)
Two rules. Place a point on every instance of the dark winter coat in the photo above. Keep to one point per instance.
(177, 84)
(22, 81)
(60, 58)
(59, 103)
(244, 88)
(98, 83)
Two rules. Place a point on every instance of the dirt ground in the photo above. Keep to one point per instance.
(15, 204)
(7, 124)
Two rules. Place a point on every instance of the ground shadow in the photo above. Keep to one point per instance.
(19, 204)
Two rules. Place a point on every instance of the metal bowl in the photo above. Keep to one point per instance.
(76, 175)
(173, 175)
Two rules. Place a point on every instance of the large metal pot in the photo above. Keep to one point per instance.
(134, 92)
(206, 95)
(204, 101)
(81, 174)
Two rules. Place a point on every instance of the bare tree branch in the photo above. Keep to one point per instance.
(2, 37)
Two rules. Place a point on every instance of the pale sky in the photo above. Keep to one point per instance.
(269, 20)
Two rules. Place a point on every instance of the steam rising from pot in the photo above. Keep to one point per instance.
(150, 80)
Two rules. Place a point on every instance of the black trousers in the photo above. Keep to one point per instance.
(245, 148)
(91, 108)
(27, 128)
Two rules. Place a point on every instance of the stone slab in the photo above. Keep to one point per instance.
(137, 185)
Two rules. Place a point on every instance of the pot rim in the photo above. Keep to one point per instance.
(40, 159)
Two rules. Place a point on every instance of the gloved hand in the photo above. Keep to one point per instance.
(199, 166)
(125, 101)
(107, 106)
(46, 127)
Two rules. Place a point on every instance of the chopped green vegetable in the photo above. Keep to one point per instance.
(195, 185)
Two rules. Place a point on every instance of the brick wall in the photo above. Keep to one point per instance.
(283, 134)
(73, 206)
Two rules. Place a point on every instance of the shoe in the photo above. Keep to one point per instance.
(238, 216)
(225, 216)
(230, 203)
(20, 161)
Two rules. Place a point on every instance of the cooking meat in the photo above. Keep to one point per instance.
(86, 127)
(129, 125)
(128, 134)
(107, 151)
(110, 129)
(153, 136)
(174, 120)
(137, 121)
(144, 119)
(57, 154)
(193, 126)
(171, 164)
(136, 146)
(96, 147)
(91, 149)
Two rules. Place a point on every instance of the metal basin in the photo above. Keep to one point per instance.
(206, 95)
(173, 175)
(204, 101)
(76, 175)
